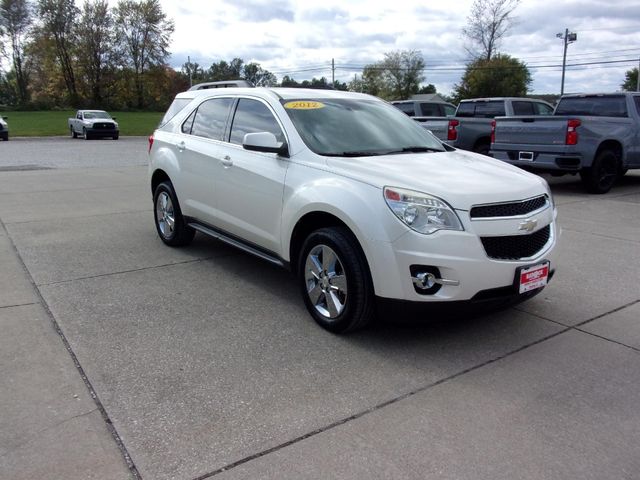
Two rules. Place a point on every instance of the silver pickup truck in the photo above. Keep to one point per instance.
(470, 128)
(93, 124)
(595, 135)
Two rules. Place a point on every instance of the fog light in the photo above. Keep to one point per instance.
(424, 280)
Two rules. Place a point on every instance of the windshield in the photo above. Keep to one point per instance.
(88, 115)
(357, 127)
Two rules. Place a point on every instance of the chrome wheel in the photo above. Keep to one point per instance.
(326, 282)
(165, 215)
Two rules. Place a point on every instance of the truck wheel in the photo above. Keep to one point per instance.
(482, 148)
(85, 134)
(73, 133)
(335, 280)
(168, 217)
(602, 174)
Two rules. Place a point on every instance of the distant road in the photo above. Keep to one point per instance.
(35, 153)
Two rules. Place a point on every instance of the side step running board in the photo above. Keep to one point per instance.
(236, 243)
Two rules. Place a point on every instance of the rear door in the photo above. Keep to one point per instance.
(250, 184)
(198, 153)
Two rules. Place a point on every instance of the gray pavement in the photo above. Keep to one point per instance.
(123, 358)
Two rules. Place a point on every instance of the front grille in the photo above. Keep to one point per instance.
(103, 126)
(512, 209)
(515, 247)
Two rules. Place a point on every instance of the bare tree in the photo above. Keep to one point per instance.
(15, 23)
(488, 23)
(143, 31)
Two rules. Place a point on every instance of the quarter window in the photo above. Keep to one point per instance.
(523, 108)
(210, 118)
(253, 116)
(543, 108)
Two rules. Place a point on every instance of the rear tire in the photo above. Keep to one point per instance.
(335, 281)
(73, 133)
(482, 148)
(602, 174)
(169, 221)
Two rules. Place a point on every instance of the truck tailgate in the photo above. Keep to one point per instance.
(437, 125)
(541, 130)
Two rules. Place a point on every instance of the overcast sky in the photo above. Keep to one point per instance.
(299, 39)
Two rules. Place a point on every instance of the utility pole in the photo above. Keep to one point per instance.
(333, 73)
(189, 63)
(638, 77)
(567, 38)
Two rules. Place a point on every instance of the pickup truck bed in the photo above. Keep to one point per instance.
(599, 146)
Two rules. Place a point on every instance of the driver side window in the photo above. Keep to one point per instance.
(252, 116)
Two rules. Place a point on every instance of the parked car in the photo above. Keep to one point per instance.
(594, 135)
(93, 124)
(362, 204)
(4, 129)
(419, 108)
(470, 128)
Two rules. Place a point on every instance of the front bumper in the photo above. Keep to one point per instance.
(459, 257)
(103, 133)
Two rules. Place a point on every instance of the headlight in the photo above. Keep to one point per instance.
(421, 212)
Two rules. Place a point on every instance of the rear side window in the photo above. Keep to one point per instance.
(407, 108)
(611, 106)
(211, 118)
(523, 108)
(481, 109)
(430, 109)
(253, 116)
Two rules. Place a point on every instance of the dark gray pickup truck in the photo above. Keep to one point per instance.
(470, 128)
(595, 135)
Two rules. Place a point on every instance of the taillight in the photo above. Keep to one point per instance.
(572, 134)
(452, 133)
(493, 131)
(150, 142)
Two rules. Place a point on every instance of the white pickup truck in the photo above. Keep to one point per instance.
(93, 124)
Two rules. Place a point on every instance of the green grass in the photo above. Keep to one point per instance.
(52, 123)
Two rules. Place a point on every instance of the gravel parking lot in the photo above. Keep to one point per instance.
(122, 358)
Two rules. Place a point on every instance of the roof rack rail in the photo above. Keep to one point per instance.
(223, 84)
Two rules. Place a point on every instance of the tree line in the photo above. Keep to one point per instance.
(92, 56)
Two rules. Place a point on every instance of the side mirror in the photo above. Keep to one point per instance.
(264, 142)
(113, 118)
(5, 118)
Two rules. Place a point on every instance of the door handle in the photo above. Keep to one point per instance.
(181, 146)
(226, 161)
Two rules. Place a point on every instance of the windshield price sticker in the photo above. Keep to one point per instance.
(534, 277)
(303, 105)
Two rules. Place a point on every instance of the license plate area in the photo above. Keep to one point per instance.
(525, 156)
(532, 277)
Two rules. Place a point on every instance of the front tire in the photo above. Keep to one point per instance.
(85, 134)
(335, 280)
(169, 221)
(73, 133)
(602, 174)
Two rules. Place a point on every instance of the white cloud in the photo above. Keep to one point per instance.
(300, 39)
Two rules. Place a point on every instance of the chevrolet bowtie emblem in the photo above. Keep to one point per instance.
(528, 225)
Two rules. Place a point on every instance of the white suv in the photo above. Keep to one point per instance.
(360, 202)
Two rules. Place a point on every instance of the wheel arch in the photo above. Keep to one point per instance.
(157, 178)
(482, 141)
(308, 223)
(614, 145)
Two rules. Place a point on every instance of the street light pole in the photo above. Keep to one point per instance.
(567, 38)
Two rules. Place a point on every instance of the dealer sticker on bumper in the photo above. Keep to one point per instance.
(534, 277)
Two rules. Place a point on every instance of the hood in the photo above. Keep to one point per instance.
(460, 178)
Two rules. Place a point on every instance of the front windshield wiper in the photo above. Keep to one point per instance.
(352, 154)
(415, 150)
